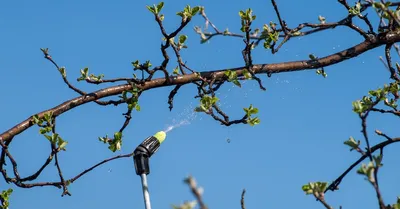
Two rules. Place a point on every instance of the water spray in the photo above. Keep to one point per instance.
(141, 158)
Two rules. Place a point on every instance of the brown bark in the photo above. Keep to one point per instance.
(373, 42)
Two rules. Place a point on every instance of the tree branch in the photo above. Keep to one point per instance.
(386, 38)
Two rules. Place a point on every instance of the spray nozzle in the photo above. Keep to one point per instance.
(145, 150)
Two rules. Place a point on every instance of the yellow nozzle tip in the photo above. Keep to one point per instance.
(160, 136)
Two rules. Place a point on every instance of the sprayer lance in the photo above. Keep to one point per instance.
(145, 150)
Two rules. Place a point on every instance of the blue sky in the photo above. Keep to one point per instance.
(304, 117)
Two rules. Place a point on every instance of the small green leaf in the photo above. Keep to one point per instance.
(117, 135)
(103, 139)
(5, 196)
(160, 6)
(351, 142)
(176, 71)
(151, 9)
(195, 10)
(237, 83)
(356, 10)
(63, 72)
(137, 107)
(182, 39)
(147, 64)
(136, 64)
(253, 121)
(36, 120)
(312, 57)
(247, 74)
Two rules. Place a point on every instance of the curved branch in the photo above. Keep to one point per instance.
(383, 39)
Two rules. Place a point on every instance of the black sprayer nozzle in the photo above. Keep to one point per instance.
(143, 152)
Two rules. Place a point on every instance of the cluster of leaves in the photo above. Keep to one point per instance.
(5, 197)
(155, 9)
(375, 96)
(355, 10)
(133, 99)
(206, 103)
(233, 77)
(249, 112)
(315, 188)
(137, 65)
(115, 143)
(383, 8)
(368, 170)
(46, 125)
(270, 35)
(85, 76)
(186, 14)
(246, 18)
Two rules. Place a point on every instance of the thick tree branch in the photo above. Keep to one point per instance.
(383, 39)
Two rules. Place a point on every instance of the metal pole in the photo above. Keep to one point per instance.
(145, 188)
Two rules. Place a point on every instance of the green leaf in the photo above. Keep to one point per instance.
(117, 135)
(176, 71)
(267, 45)
(115, 145)
(160, 6)
(62, 71)
(103, 139)
(5, 196)
(182, 39)
(253, 121)
(61, 143)
(48, 116)
(37, 120)
(315, 187)
(136, 64)
(250, 111)
(356, 10)
(84, 74)
(351, 142)
(242, 14)
(147, 64)
(137, 107)
(322, 72)
(368, 171)
(206, 102)
(247, 74)
(307, 189)
(237, 83)
(195, 10)
(151, 9)
(358, 107)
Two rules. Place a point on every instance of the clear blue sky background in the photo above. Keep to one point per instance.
(305, 118)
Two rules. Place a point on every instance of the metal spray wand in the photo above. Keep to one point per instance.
(141, 158)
